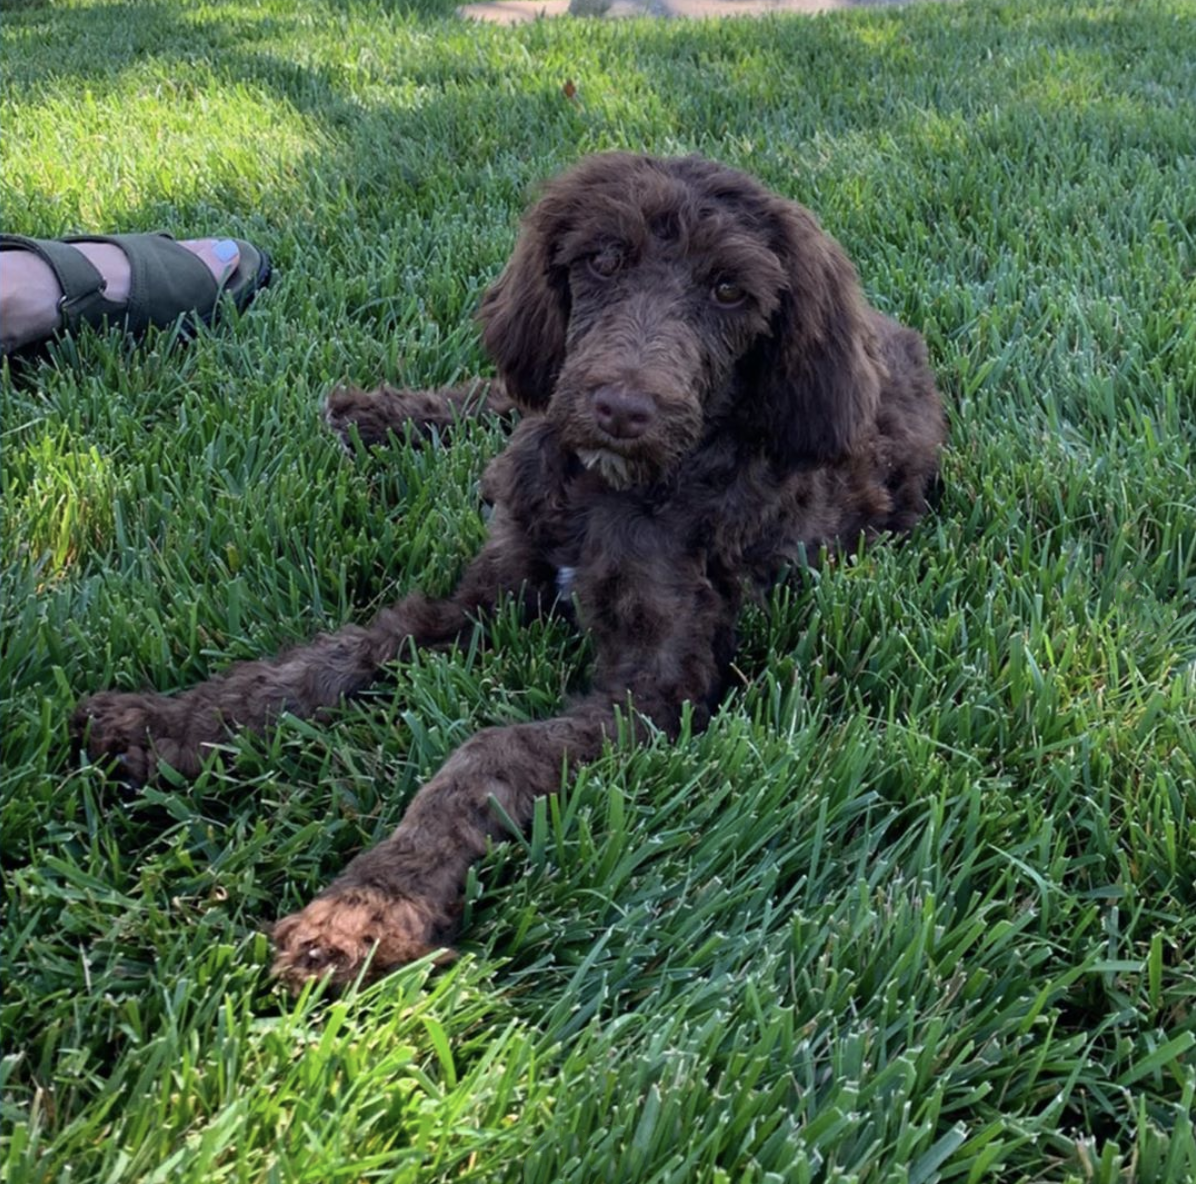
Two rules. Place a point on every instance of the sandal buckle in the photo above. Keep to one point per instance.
(67, 304)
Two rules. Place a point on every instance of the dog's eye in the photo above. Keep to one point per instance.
(606, 262)
(727, 294)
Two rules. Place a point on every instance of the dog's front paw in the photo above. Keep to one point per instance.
(116, 727)
(367, 415)
(137, 733)
(346, 928)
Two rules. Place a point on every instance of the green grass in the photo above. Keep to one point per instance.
(919, 906)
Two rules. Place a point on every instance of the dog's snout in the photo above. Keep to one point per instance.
(622, 412)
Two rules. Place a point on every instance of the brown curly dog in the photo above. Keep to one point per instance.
(705, 396)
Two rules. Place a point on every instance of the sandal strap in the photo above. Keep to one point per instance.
(82, 285)
(166, 281)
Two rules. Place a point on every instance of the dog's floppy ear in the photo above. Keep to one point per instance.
(815, 381)
(525, 312)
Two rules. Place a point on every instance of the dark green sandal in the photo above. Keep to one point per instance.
(166, 282)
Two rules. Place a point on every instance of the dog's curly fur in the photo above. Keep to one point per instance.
(705, 395)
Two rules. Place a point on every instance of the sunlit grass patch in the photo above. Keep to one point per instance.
(66, 504)
(148, 146)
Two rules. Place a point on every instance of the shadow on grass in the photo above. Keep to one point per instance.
(461, 106)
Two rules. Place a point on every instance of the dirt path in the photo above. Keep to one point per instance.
(513, 12)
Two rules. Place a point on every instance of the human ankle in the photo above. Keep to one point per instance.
(29, 296)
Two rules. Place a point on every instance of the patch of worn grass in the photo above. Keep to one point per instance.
(918, 906)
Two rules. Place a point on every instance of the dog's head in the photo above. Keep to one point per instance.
(650, 303)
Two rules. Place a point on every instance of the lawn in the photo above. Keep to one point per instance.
(920, 905)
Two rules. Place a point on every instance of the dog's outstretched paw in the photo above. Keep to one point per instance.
(365, 417)
(349, 929)
(118, 727)
(139, 734)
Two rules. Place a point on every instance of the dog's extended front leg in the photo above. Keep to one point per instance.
(140, 730)
(372, 416)
(400, 899)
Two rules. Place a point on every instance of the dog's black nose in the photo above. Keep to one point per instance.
(622, 412)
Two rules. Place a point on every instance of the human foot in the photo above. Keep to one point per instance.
(48, 285)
